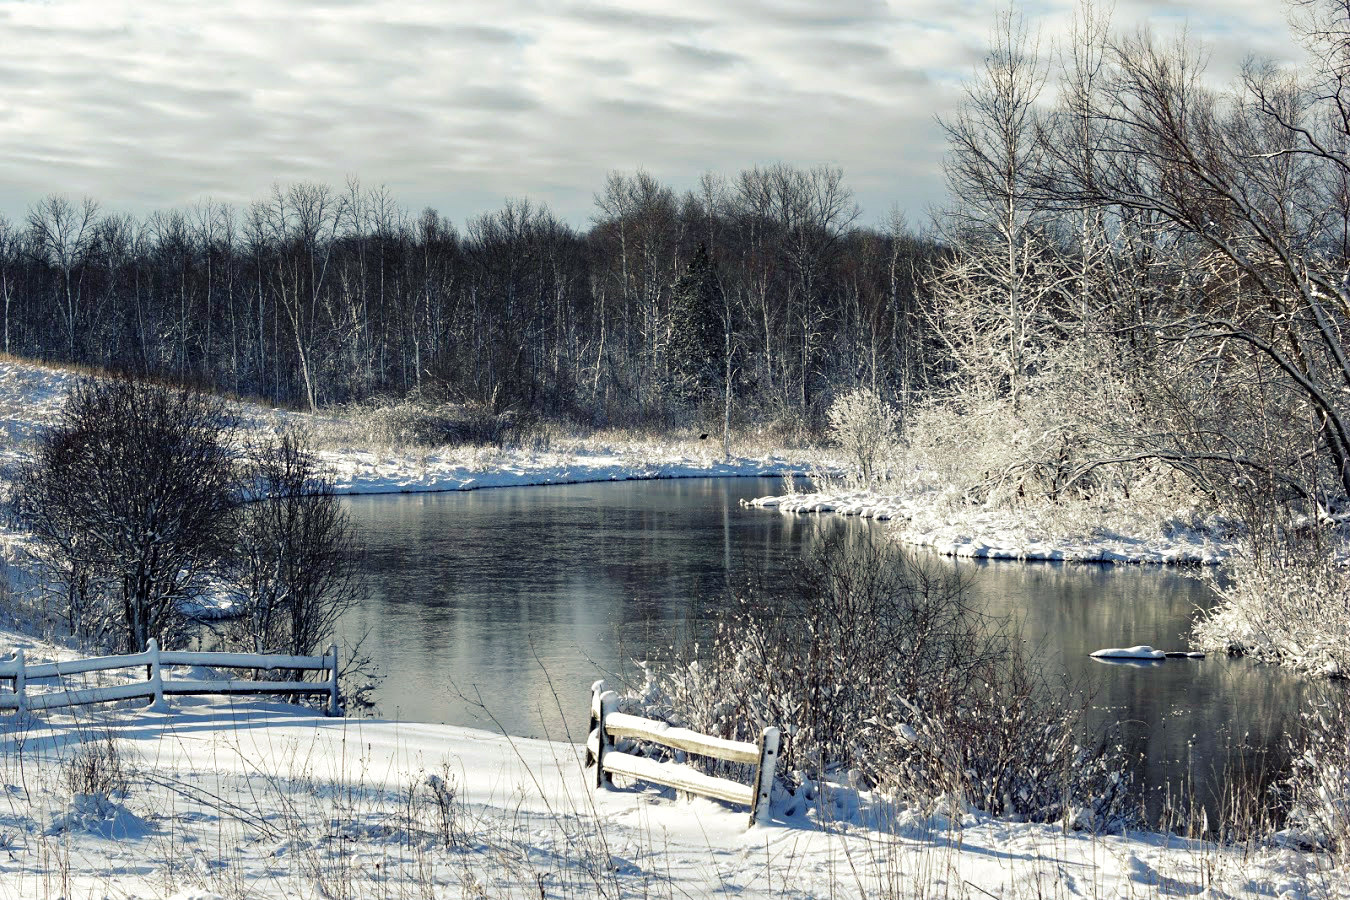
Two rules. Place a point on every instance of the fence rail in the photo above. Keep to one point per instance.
(609, 725)
(156, 687)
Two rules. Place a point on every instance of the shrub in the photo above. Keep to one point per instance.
(294, 565)
(878, 665)
(96, 769)
(1287, 603)
(430, 424)
(864, 426)
(1319, 787)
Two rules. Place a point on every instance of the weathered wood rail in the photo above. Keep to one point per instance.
(608, 725)
(27, 695)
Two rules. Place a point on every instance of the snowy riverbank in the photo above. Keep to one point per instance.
(31, 395)
(1110, 536)
(259, 799)
(371, 472)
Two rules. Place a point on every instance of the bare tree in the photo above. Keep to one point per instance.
(294, 564)
(61, 233)
(9, 253)
(130, 498)
(996, 289)
(1248, 190)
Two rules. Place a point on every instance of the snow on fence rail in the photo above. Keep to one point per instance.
(607, 725)
(156, 687)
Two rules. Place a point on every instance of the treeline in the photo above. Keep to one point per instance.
(318, 295)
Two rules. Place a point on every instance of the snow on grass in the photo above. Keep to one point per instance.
(1072, 533)
(264, 800)
(31, 395)
(373, 472)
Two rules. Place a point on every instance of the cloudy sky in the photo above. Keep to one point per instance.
(146, 104)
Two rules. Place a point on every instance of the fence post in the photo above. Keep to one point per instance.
(156, 678)
(20, 683)
(333, 708)
(760, 812)
(601, 700)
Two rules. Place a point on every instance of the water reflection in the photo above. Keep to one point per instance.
(520, 597)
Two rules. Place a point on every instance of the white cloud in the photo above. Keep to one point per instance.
(160, 103)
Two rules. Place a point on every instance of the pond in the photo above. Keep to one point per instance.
(498, 608)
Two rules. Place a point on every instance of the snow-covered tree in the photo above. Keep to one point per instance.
(130, 498)
(864, 426)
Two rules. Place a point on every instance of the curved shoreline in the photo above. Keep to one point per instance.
(991, 535)
(397, 477)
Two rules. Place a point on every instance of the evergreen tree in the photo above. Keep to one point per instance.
(696, 330)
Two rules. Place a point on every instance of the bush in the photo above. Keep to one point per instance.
(1285, 602)
(1319, 788)
(877, 665)
(294, 562)
(864, 426)
(96, 769)
(430, 424)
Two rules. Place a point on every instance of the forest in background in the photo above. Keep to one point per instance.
(315, 296)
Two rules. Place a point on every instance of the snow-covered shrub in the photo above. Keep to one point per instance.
(863, 424)
(1319, 787)
(876, 665)
(420, 422)
(441, 795)
(1012, 745)
(1287, 604)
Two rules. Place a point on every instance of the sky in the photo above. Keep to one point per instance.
(152, 104)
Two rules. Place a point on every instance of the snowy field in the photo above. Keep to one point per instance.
(232, 800)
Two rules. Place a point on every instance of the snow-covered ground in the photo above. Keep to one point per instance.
(371, 472)
(264, 799)
(31, 395)
(1100, 535)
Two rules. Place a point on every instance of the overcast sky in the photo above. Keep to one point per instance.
(146, 104)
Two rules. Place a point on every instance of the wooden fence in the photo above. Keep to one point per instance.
(609, 725)
(28, 695)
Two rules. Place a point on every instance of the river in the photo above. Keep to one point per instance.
(498, 608)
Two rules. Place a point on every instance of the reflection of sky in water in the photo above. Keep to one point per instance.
(523, 596)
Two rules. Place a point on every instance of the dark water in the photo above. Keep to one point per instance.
(498, 608)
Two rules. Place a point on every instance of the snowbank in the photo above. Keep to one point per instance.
(982, 533)
(262, 800)
(366, 472)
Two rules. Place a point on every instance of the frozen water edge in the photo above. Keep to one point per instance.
(363, 472)
(981, 533)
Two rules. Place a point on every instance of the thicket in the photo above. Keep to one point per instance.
(315, 296)
(880, 672)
